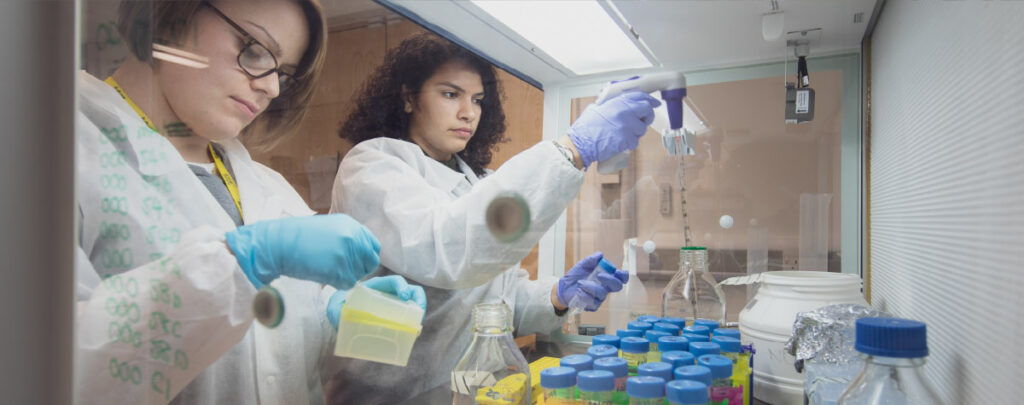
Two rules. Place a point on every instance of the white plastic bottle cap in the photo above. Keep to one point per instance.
(649, 246)
(725, 221)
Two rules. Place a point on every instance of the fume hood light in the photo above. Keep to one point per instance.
(578, 34)
(771, 25)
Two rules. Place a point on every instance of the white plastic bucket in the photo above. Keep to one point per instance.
(767, 322)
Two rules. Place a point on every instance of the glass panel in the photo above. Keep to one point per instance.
(760, 194)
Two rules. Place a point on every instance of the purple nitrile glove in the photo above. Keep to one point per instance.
(393, 284)
(614, 126)
(590, 293)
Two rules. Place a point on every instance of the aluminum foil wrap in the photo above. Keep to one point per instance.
(827, 333)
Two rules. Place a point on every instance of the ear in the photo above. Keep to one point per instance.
(407, 100)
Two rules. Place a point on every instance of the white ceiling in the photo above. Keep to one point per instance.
(683, 35)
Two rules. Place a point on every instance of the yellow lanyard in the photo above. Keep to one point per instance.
(225, 175)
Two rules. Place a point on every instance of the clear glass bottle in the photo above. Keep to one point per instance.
(693, 292)
(894, 351)
(492, 365)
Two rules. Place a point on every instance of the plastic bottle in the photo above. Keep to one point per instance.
(618, 367)
(696, 337)
(673, 343)
(559, 384)
(576, 305)
(698, 330)
(627, 304)
(656, 369)
(579, 362)
(605, 340)
(894, 350)
(602, 351)
(733, 333)
(686, 392)
(678, 358)
(730, 348)
(640, 326)
(644, 390)
(707, 323)
(596, 387)
(654, 354)
(693, 292)
(651, 319)
(721, 374)
(622, 333)
(667, 328)
(701, 348)
(492, 364)
(634, 350)
(700, 374)
(680, 322)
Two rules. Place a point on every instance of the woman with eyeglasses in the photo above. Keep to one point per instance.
(180, 228)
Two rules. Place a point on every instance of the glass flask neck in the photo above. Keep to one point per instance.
(695, 259)
(882, 361)
(492, 318)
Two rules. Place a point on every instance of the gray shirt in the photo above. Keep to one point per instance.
(216, 185)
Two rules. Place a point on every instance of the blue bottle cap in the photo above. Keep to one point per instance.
(605, 340)
(653, 335)
(686, 392)
(711, 325)
(699, 374)
(892, 337)
(580, 362)
(641, 326)
(698, 330)
(648, 318)
(696, 337)
(667, 328)
(656, 369)
(701, 348)
(634, 345)
(621, 333)
(678, 358)
(680, 322)
(727, 344)
(558, 377)
(617, 365)
(595, 381)
(670, 343)
(721, 366)
(733, 333)
(607, 266)
(645, 387)
(602, 351)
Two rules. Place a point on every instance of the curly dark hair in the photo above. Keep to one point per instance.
(380, 104)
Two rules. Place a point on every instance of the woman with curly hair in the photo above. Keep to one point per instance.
(424, 127)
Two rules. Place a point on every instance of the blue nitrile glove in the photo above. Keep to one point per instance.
(329, 249)
(393, 284)
(614, 126)
(590, 293)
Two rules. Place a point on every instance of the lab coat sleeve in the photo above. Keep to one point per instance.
(533, 312)
(143, 335)
(439, 240)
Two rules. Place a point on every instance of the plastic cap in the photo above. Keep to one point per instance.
(892, 337)
(667, 328)
(656, 369)
(720, 366)
(711, 325)
(641, 326)
(648, 318)
(558, 377)
(653, 335)
(595, 380)
(602, 351)
(645, 387)
(634, 345)
(622, 333)
(733, 333)
(701, 348)
(697, 330)
(580, 362)
(679, 358)
(686, 392)
(696, 337)
(605, 340)
(670, 343)
(699, 374)
(617, 365)
(680, 322)
(694, 248)
(727, 344)
(607, 266)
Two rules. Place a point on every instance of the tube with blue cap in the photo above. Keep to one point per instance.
(575, 304)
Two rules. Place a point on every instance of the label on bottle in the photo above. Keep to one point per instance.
(463, 380)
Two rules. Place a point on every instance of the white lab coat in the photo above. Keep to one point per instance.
(172, 319)
(430, 222)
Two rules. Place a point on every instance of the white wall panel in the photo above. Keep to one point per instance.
(947, 187)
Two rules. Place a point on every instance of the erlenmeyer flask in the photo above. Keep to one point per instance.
(693, 292)
(492, 366)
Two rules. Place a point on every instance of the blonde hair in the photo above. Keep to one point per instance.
(145, 22)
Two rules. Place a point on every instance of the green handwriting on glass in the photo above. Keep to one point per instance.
(114, 134)
(160, 291)
(116, 258)
(120, 284)
(123, 308)
(160, 384)
(125, 372)
(160, 322)
(123, 333)
(111, 160)
(168, 266)
(114, 205)
(158, 183)
(155, 233)
(160, 350)
(114, 182)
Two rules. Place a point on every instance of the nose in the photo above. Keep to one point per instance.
(269, 85)
(468, 110)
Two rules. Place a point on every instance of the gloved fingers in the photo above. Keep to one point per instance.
(590, 262)
(334, 307)
(609, 282)
(417, 295)
(390, 284)
(634, 97)
(622, 275)
(594, 289)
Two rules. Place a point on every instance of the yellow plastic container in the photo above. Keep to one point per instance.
(377, 326)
